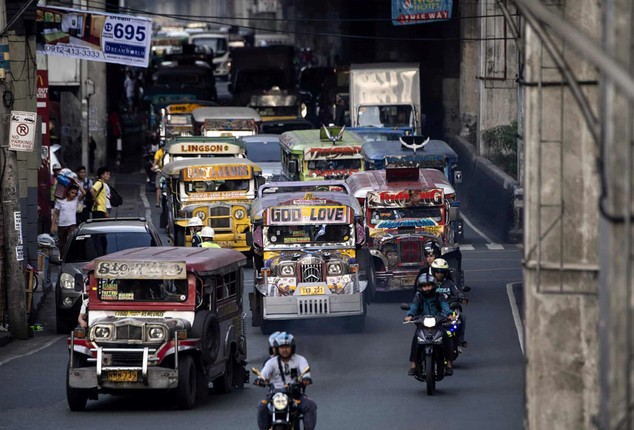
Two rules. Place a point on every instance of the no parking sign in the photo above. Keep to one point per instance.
(22, 134)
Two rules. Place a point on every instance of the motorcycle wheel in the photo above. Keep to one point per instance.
(430, 377)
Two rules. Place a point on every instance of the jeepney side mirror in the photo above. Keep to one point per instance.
(256, 237)
(457, 176)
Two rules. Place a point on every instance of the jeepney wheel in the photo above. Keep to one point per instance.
(186, 391)
(224, 384)
(163, 216)
(206, 328)
(179, 236)
(76, 397)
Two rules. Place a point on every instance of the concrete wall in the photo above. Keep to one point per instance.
(486, 192)
(561, 240)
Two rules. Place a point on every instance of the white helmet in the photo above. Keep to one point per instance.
(207, 232)
(195, 222)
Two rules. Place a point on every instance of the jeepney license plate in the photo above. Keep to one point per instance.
(122, 375)
(312, 291)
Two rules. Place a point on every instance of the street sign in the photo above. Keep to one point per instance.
(22, 131)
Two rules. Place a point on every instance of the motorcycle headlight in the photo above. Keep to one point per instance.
(101, 332)
(155, 333)
(335, 269)
(67, 281)
(287, 270)
(239, 214)
(280, 401)
(429, 322)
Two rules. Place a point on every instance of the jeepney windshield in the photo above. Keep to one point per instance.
(142, 290)
(213, 186)
(308, 234)
(393, 214)
(335, 164)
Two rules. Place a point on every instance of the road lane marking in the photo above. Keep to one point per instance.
(146, 203)
(494, 246)
(467, 247)
(46, 345)
(516, 316)
(476, 229)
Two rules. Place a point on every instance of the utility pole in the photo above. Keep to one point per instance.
(11, 216)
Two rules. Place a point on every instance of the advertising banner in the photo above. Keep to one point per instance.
(406, 12)
(94, 36)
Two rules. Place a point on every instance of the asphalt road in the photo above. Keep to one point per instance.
(360, 379)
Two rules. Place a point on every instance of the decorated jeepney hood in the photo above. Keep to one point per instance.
(435, 154)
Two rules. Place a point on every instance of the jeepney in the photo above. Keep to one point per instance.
(160, 318)
(309, 257)
(183, 147)
(413, 151)
(226, 121)
(326, 153)
(176, 119)
(405, 208)
(217, 190)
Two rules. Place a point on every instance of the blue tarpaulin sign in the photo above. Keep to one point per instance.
(407, 12)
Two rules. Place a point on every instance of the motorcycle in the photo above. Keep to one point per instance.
(430, 359)
(283, 406)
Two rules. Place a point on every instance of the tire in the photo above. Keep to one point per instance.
(186, 391)
(179, 236)
(76, 397)
(224, 383)
(430, 377)
(206, 328)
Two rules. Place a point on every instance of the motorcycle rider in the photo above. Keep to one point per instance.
(195, 224)
(428, 302)
(450, 293)
(432, 251)
(280, 370)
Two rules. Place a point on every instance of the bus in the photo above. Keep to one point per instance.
(318, 154)
(217, 190)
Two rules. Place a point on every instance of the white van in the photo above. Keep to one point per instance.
(219, 43)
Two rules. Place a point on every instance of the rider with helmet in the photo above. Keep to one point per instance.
(449, 292)
(195, 224)
(207, 235)
(427, 302)
(432, 251)
(280, 370)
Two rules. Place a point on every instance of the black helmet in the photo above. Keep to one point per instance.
(425, 279)
(432, 248)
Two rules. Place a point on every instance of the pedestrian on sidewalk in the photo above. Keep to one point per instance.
(65, 214)
(101, 193)
(83, 211)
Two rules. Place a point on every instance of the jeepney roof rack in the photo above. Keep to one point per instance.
(302, 186)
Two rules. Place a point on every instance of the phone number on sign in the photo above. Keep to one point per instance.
(70, 50)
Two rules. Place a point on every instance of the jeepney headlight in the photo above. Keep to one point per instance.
(429, 322)
(67, 281)
(335, 269)
(239, 214)
(287, 270)
(200, 214)
(280, 401)
(155, 332)
(101, 332)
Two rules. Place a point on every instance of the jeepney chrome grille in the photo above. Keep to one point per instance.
(312, 306)
(129, 332)
(133, 358)
(410, 250)
(311, 270)
(220, 217)
(219, 211)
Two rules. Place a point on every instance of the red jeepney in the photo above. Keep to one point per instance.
(405, 208)
(160, 318)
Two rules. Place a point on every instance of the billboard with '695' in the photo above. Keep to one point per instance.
(95, 36)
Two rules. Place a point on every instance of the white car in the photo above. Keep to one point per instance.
(264, 150)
